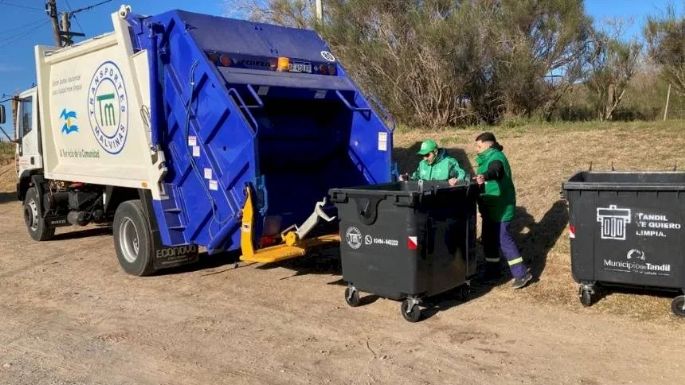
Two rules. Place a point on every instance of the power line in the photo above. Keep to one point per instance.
(91, 6)
(74, 16)
(22, 34)
(20, 27)
(22, 6)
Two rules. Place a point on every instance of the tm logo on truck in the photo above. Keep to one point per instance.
(108, 107)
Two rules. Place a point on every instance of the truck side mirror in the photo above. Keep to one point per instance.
(2, 114)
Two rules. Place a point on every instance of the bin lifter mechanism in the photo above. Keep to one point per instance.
(294, 245)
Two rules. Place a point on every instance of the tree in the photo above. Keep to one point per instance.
(450, 62)
(291, 13)
(612, 63)
(666, 44)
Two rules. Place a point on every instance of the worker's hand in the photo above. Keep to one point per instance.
(452, 181)
(480, 179)
(401, 178)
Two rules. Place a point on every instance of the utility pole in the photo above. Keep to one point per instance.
(319, 13)
(66, 27)
(51, 10)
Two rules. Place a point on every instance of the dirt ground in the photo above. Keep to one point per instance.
(69, 315)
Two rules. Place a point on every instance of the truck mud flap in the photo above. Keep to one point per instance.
(165, 256)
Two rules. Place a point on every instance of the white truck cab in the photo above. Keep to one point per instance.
(27, 133)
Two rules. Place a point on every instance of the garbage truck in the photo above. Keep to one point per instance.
(190, 132)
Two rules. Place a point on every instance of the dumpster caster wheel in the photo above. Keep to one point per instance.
(411, 310)
(464, 292)
(586, 296)
(678, 306)
(352, 296)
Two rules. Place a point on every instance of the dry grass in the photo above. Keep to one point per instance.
(7, 171)
(544, 156)
(6, 152)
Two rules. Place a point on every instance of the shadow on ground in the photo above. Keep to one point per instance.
(536, 239)
(8, 197)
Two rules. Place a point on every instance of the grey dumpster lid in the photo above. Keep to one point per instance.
(627, 181)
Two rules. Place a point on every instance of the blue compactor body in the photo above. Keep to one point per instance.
(251, 111)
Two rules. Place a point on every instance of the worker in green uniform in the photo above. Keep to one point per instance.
(497, 204)
(436, 165)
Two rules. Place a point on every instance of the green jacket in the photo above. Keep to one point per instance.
(443, 168)
(498, 200)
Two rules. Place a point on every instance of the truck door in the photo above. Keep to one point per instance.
(29, 154)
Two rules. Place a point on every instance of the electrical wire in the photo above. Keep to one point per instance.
(91, 6)
(31, 24)
(74, 16)
(22, 6)
(8, 40)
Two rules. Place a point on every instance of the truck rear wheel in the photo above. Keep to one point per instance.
(133, 239)
(35, 223)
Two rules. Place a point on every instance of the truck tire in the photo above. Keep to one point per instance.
(133, 239)
(33, 217)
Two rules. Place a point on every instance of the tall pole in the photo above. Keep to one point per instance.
(319, 13)
(51, 9)
(668, 99)
(66, 27)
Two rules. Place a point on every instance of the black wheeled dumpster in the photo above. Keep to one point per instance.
(406, 240)
(626, 228)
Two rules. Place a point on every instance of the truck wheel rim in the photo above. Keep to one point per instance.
(128, 240)
(31, 215)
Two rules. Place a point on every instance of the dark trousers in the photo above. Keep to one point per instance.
(497, 238)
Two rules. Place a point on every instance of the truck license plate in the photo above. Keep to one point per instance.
(301, 67)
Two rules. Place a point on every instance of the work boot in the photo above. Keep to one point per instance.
(520, 283)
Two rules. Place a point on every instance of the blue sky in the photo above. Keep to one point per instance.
(25, 24)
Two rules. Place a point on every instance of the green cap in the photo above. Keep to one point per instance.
(427, 146)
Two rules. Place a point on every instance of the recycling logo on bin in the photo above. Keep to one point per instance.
(353, 237)
(613, 222)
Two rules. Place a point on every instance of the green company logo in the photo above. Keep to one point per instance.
(107, 116)
(108, 107)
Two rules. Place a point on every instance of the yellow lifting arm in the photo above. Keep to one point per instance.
(293, 248)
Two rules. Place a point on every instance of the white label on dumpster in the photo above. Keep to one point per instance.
(262, 90)
(382, 141)
(613, 222)
(636, 261)
(386, 242)
(192, 140)
(213, 185)
(654, 225)
(196, 151)
(353, 237)
(208, 173)
(320, 94)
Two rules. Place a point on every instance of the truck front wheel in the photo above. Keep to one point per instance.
(35, 223)
(133, 239)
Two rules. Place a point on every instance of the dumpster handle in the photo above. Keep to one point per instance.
(350, 107)
(338, 197)
(369, 212)
(243, 106)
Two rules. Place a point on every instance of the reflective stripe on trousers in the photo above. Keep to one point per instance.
(496, 237)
